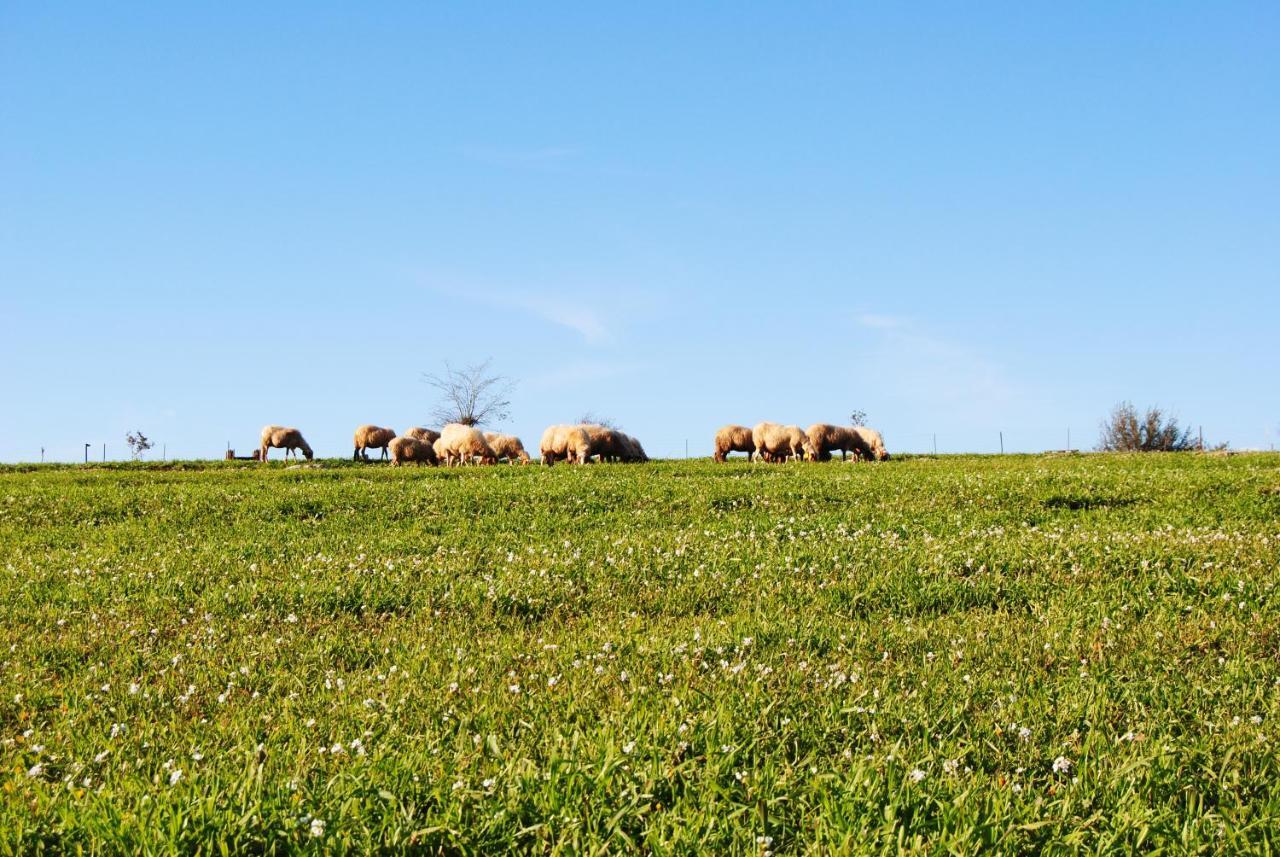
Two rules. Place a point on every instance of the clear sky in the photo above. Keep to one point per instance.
(960, 218)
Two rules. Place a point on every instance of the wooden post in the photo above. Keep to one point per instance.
(86, 453)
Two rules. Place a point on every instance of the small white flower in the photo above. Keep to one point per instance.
(291, 618)
(917, 775)
(629, 747)
(488, 783)
(197, 756)
(134, 687)
(1061, 765)
(102, 757)
(1024, 733)
(317, 828)
(36, 770)
(175, 776)
(1256, 719)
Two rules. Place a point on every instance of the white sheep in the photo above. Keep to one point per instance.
(288, 439)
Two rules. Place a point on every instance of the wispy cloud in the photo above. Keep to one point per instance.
(880, 322)
(923, 365)
(583, 320)
(561, 309)
(543, 157)
(580, 374)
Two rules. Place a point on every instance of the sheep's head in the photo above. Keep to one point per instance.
(308, 454)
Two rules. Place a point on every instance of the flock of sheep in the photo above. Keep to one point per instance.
(458, 444)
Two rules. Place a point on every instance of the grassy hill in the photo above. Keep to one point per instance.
(937, 653)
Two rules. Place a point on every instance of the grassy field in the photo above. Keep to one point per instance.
(956, 654)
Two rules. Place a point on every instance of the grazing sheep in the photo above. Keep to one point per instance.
(564, 443)
(406, 449)
(606, 443)
(441, 450)
(775, 442)
(870, 443)
(734, 439)
(507, 446)
(827, 438)
(288, 439)
(632, 450)
(423, 434)
(372, 437)
(464, 444)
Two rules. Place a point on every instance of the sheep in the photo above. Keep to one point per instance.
(632, 450)
(371, 437)
(870, 443)
(733, 438)
(564, 443)
(288, 439)
(507, 446)
(465, 443)
(406, 449)
(774, 442)
(606, 443)
(423, 434)
(827, 438)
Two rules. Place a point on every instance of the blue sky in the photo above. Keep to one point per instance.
(963, 220)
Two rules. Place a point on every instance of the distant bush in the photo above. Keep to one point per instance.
(1128, 431)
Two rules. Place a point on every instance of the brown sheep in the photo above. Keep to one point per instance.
(775, 442)
(424, 434)
(288, 439)
(372, 437)
(632, 450)
(507, 446)
(564, 443)
(406, 449)
(606, 443)
(870, 443)
(827, 438)
(463, 444)
(733, 438)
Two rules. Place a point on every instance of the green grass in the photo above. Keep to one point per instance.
(677, 657)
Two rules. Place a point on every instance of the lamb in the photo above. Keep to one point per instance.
(406, 449)
(507, 446)
(827, 438)
(564, 443)
(733, 438)
(870, 443)
(423, 434)
(288, 439)
(371, 437)
(464, 444)
(775, 442)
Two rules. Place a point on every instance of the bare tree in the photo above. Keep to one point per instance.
(1128, 431)
(590, 418)
(858, 418)
(138, 443)
(470, 395)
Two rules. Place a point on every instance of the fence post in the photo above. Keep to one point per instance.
(935, 443)
(1002, 443)
(86, 453)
